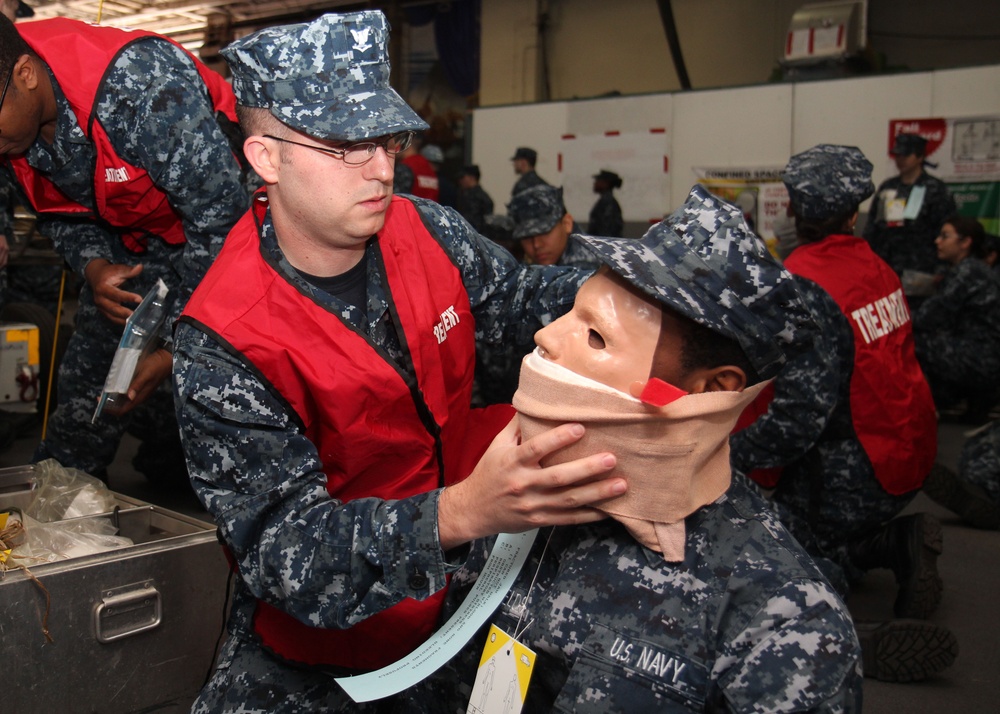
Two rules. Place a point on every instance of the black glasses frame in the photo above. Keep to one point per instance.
(402, 139)
(6, 86)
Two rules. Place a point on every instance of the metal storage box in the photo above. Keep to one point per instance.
(134, 629)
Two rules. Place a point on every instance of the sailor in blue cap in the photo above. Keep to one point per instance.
(547, 230)
(908, 210)
(851, 431)
(524, 159)
(323, 381)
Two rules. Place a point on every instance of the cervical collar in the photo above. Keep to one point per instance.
(675, 458)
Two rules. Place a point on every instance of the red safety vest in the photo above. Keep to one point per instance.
(425, 178)
(891, 405)
(79, 55)
(376, 435)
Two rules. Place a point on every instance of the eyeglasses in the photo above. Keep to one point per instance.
(6, 86)
(358, 153)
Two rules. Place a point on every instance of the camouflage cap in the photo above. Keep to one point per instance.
(610, 177)
(827, 180)
(328, 78)
(433, 153)
(523, 152)
(705, 263)
(906, 144)
(536, 210)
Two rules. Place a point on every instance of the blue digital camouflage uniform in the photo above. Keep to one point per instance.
(475, 204)
(957, 334)
(527, 180)
(182, 146)
(606, 217)
(402, 179)
(326, 562)
(910, 245)
(979, 461)
(745, 623)
(6, 227)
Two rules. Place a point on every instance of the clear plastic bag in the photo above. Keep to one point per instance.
(61, 540)
(67, 493)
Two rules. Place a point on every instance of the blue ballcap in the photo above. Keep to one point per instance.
(705, 263)
(433, 153)
(328, 78)
(536, 211)
(906, 144)
(612, 179)
(827, 180)
(523, 152)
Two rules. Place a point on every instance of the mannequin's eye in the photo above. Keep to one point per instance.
(595, 340)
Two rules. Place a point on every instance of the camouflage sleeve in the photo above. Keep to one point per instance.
(942, 311)
(158, 115)
(510, 301)
(327, 563)
(806, 391)
(7, 206)
(798, 652)
(78, 242)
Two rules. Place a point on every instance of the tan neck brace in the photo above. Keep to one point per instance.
(675, 458)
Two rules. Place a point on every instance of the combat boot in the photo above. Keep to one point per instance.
(966, 499)
(909, 546)
(905, 650)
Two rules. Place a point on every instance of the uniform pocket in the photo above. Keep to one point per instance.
(617, 671)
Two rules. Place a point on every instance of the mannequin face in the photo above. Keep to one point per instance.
(609, 336)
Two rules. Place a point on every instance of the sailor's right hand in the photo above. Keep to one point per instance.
(510, 491)
(104, 279)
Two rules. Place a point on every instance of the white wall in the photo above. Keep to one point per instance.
(742, 127)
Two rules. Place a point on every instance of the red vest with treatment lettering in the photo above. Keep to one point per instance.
(891, 405)
(376, 433)
(425, 178)
(80, 55)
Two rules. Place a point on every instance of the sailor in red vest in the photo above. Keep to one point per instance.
(115, 140)
(323, 379)
(851, 424)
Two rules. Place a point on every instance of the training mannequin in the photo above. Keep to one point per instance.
(691, 594)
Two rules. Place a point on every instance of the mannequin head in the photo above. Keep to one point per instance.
(621, 337)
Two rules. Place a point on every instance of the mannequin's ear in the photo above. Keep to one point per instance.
(263, 155)
(727, 378)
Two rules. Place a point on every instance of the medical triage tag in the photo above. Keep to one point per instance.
(502, 680)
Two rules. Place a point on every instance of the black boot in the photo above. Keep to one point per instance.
(905, 650)
(963, 497)
(909, 546)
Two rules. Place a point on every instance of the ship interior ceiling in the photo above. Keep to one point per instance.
(190, 22)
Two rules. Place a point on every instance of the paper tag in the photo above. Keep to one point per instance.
(892, 208)
(499, 573)
(915, 202)
(504, 672)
